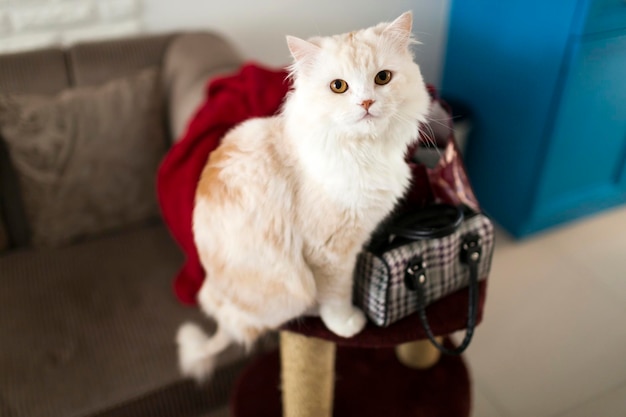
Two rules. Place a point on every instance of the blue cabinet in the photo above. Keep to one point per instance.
(546, 82)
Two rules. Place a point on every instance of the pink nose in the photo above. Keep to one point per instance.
(366, 104)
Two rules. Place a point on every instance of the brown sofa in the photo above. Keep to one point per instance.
(87, 314)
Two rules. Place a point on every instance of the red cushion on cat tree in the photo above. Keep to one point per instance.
(445, 316)
(369, 382)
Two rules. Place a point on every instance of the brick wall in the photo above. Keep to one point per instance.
(31, 24)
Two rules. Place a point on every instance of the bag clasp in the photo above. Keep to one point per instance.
(415, 273)
(471, 249)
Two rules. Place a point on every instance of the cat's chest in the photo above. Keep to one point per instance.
(357, 184)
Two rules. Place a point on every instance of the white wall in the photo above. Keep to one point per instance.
(32, 24)
(258, 28)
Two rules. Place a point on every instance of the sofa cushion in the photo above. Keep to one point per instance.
(4, 237)
(86, 158)
(11, 208)
(89, 327)
(96, 62)
(190, 61)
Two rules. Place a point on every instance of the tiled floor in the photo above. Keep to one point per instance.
(553, 341)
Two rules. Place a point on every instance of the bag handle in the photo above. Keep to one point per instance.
(415, 279)
(430, 222)
(433, 221)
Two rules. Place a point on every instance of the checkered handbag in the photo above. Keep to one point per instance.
(421, 257)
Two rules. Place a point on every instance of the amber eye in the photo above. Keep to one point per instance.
(339, 86)
(383, 77)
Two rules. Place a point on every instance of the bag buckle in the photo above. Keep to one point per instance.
(415, 273)
(471, 249)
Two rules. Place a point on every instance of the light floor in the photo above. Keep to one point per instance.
(553, 340)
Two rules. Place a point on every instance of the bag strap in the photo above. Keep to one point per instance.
(415, 279)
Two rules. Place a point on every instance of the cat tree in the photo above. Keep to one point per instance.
(392, 371)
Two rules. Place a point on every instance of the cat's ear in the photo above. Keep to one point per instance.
(302, 51)
(399, 31)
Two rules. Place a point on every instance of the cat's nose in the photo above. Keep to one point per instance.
(366, 104)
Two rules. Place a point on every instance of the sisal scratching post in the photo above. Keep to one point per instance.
(420, 354)
(307, 374)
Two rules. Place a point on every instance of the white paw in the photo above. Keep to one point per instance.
(343, 320)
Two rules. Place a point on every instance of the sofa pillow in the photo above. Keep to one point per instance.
(4, 237)
(86, 158)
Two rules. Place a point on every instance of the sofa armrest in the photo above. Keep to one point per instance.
(190, 60)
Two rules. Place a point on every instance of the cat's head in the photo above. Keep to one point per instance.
(363, 82)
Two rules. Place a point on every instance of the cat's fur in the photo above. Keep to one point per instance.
(285, 203)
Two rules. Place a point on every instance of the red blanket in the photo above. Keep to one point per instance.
(252, 92)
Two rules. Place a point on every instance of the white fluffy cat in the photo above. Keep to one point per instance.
(285, 203)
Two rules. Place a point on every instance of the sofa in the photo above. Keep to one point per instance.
(87, 312)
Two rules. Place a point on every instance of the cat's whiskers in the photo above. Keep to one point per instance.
(426, 131)
(403, 118)
(431, 139)
(443, 122)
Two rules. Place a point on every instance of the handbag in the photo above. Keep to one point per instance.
(437, 243)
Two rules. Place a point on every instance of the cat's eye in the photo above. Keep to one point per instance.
(339, 86)
(383, 77)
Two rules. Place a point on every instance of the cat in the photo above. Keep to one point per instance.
(285, 203)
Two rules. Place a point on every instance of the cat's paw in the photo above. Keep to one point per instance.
(343, 320)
